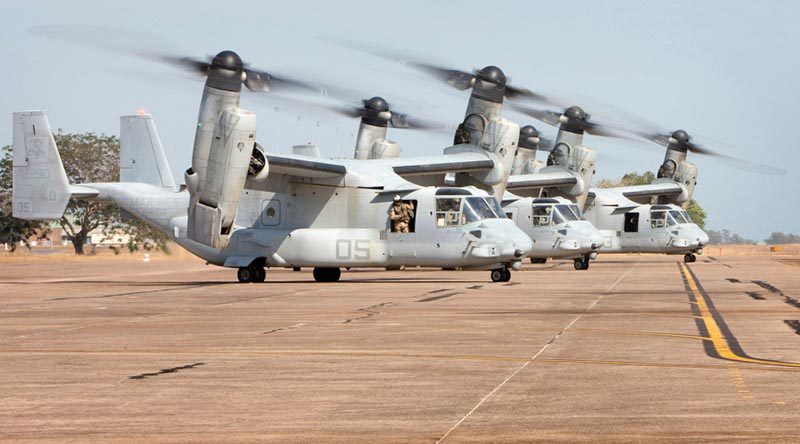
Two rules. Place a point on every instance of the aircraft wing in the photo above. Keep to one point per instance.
(432, 165)
(528, 185)
(635, 192)
(304, 166)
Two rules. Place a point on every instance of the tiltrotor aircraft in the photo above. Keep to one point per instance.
(648, 218)
(249, 209)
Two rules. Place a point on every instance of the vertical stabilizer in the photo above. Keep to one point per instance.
(40, 187)
(141, 157)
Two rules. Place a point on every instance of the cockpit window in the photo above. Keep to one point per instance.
(567, 212)
(448, 211)
(577, 212)
(658, 219)
(679, 216)
(475, 209)
(501, 213)
(541, 215)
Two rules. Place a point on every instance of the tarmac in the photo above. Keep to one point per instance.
(637, 348)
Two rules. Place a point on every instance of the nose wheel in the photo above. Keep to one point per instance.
(501, 275)
(689, 258)
(581, 263)
(251, 274)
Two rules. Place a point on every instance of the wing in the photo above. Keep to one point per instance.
(644, 192)
(529, 185)
(304, 166)
(465, 162)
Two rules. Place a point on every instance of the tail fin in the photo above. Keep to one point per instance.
(40, 190)
(141, 156)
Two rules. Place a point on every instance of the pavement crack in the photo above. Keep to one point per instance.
(165, 371)
(369, 312)
(275, 330)
(794, 324)
(436, 298)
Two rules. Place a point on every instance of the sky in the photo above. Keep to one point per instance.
(725, 71)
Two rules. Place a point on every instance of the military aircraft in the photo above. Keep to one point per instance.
(249, 209)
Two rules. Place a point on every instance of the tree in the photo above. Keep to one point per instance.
(88, 158)
(782, 238)
(725, 237)
(697, 213)
(12, 230)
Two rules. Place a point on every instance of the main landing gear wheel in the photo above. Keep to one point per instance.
(581, 264)
(689, 257)
(251, 274)
(501, 275)
(538, 260)
(327, 274)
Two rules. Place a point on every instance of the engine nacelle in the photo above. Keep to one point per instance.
(582, 162)
(215, 195)
(500, 139)
(686, 175)
(384, 149)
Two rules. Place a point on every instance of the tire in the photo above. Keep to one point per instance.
(245, 275)
(261, 275)
(506, 275)
(578, 264)
(327, 274)
(497, 275)
(687, 258)
(586, 264)
(694, 258)
(538, 260)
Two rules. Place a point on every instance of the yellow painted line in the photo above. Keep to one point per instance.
(718, 339)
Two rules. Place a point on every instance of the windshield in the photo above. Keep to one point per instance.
(475, 209)
(496, 207)
(687, 217)
(566, 212)
(678, 216)
(577, 212)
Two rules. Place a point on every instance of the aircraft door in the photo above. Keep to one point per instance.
(659, 231)
(401, 235)
(630, 231)
(544, 234)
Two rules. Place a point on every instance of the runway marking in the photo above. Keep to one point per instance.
(369, 312)
(723, 343)
(533, 358)
(275, 330)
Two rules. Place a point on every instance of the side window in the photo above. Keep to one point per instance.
(448, 211)
(657, 219)
(631, 222)
(541, 215)
(271, 213)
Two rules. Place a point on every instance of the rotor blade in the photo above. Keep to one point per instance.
(546, 144)
(460, 80)
(601, 130)
(399, 120)
(543, 115)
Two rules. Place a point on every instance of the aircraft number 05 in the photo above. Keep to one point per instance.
(357, 249)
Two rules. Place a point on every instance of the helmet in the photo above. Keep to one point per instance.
(397, 198)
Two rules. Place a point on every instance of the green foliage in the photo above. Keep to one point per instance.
(627, 180)
(88, 158)
(725, 237)
(697, 213)
(782, 238)
(12, 230)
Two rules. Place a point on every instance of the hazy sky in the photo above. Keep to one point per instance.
(725, 71)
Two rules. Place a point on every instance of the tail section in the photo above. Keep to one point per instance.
(141, 155)
(41, 190)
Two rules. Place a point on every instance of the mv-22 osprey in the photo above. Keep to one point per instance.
(649, 218)
(540, 199)
(250, 209)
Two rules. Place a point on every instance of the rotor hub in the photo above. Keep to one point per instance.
(528, 137)
(574, 120)
(679, 141)
(226, 72)
(376, 112)
(490, 84)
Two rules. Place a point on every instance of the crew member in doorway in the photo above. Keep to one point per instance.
(401, 215)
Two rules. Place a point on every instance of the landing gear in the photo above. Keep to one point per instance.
(689, 257)
(501, 275)
(295, 268)
(322, 274)
(538, 260)
(252, 273)
(581, 263)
